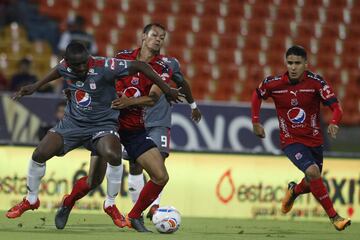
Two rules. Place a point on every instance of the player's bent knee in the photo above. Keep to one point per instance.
(161, 179)
(112, 157)
(39, 155)
(313, 172)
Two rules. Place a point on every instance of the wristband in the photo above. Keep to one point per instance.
(193, 105)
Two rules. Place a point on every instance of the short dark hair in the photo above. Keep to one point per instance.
(75, 48)
(297, 51)
(148, 27)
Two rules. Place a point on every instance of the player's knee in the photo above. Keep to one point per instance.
(313, 172)
(112, 157)
(39, 155)
(161, 179)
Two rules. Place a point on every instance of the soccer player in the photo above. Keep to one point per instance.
(89, 121)
(157, 117)
(297, 95)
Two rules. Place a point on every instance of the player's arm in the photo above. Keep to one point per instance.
(184, 87)
(144, 101)
(256, 101)
(31, 88)
(329, 99)
(333, 127)
(171, 93)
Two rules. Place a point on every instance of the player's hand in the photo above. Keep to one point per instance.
(196, 115)
(258, 130)
(174, 95)
(332, 130)
(67, 94)
(121, 103)
(26, 90)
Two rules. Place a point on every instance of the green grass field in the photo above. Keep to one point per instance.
(39, 226)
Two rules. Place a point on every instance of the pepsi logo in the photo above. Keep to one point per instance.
(82, 98)
(296, 115)
(132, 92)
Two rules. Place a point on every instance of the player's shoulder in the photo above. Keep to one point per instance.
(126, 54)
(169, 60)
(97, 61)
(272, 79)
(315, 77)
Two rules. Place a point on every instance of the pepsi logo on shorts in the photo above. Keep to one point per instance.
(82, 98)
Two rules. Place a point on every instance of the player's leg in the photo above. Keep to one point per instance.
(136, 180)
(318, 189)
(152, 162)
(80, 189)
(50, 145)
(161, 137)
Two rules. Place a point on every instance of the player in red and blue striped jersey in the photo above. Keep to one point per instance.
(297, 95)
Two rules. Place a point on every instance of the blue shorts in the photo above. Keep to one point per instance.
(303, 156)
(135, 143)
(75, 135)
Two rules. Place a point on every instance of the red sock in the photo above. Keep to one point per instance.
(319, 191)
(80, 189)
(302, 187)
(148, 195)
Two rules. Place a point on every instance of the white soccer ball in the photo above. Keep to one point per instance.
(167, 219)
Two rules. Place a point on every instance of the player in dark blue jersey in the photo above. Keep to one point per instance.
(89, 121)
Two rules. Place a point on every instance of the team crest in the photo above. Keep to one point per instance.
(294, 102)
(135, 81)
(83, 99)
(92, 85)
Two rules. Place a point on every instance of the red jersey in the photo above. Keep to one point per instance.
(138, 85)
(298, 106)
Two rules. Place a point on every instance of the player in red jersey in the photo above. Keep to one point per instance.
(297, 95)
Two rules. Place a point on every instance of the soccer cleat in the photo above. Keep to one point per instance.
(17, 210)
(116, 216)
(340, 223)
(136, 223)
(62, 214)
(289, 198)
(152, 210)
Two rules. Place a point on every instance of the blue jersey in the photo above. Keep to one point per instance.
(91, 99)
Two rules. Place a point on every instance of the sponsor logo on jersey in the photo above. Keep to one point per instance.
(132, 92)
(82, 98)
(293, 92)
(296, 115)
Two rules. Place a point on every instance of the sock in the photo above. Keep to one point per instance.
(136, 184)
(302, 187)
(319, 191)
(148, 194)
(80, 189)
(113, 176)
(157, 200)
(35, 173)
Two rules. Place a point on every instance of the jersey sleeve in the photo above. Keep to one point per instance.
(61, 67)
(163, 70)
(326, 93)
(177, 75)
(263, 90)
(116, 68)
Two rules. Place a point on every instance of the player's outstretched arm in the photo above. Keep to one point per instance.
(258, 129)
(137, 66)
(31, 88)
